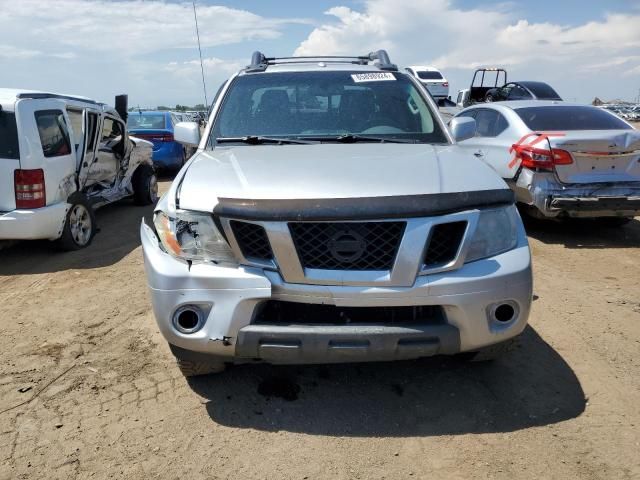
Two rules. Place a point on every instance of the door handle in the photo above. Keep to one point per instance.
(479, 153)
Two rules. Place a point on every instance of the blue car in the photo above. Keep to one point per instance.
(157, 127)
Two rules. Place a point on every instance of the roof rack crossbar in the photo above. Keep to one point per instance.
(334, 57)
(45, 95)
(259, 62)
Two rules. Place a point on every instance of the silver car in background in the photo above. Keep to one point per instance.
(561, 159)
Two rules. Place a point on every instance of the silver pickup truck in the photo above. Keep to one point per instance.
(329, 216)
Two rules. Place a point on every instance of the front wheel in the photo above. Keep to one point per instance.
(488, 98)
(492, 352)
(80, 224)
(193, 364)
(145, 185)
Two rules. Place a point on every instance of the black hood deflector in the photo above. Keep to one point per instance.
(361, 208)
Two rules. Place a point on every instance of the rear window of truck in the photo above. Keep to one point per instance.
(8, 136)
(555, 118)
(430, 75)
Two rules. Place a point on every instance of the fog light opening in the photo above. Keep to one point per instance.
(504, 313)
(188, 319)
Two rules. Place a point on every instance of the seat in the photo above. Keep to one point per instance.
(273, 115)
(356, 110)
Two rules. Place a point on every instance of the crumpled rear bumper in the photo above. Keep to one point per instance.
(36, 224)
(553, 199)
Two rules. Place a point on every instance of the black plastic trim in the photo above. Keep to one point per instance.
(362, 208)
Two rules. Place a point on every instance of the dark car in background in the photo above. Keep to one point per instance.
(157, 127)
(522, 91)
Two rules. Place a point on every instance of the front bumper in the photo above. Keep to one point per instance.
(231, 296)
(553, 199)
(36, 224)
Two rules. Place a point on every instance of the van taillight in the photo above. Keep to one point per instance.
(445, 84)
(29, 188)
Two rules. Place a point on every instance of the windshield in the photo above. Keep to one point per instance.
(326, 104)
(430, 75)
(8, 136)
(145, 120)
(569, 118)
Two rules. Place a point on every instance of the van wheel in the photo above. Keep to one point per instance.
(192, 364)
(145, 185)
(79, 226)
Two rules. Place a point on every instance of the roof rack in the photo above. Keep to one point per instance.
(43, 95)
(259, 62)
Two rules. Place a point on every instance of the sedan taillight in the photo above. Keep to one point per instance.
(541, 158)
(29, 188)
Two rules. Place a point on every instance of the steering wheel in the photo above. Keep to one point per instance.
(381, 129)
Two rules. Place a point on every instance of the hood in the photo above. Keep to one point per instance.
(325, 171)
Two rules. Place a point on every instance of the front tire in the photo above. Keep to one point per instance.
(488, 98)
(145, 185)
(493, 352)
(193, 364)
(79, 226)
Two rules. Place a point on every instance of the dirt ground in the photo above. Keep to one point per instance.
(88, 388)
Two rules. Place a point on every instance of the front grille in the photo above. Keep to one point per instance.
(276, 312)
(347, 245)
(252, 240)
(444, 243)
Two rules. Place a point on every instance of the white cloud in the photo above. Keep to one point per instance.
(101, 47)
(131, 26)
(439, 33)
(13, 52)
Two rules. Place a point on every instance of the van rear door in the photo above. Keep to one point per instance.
(47, 142)
(9, 159)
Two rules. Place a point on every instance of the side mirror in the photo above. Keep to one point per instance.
(462, 128)
(187, 133)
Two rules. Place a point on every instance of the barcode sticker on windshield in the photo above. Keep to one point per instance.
(372, 77)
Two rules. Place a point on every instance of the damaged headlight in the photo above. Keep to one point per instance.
(497, 232)
(193, 236)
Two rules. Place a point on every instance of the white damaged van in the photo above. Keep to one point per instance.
(61, 157)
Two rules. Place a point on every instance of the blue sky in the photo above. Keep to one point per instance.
(147, 48)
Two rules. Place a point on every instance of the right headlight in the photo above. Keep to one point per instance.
(496, 232)
(193, 236)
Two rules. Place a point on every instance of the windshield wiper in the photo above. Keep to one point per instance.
(351, 138)
(258, 140)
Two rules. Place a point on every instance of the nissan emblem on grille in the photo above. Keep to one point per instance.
(347, 246)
